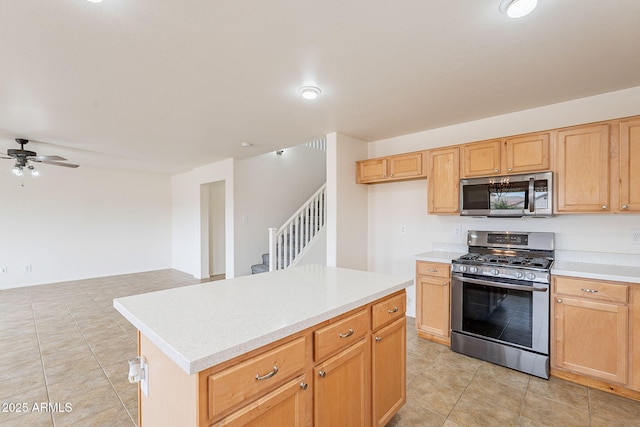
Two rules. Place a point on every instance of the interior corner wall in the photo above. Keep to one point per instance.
(403, 204)
(269, 188)
(346, 204)
(189, 210)
(71, 224)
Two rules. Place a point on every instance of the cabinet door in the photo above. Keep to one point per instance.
(432, 314)
(582, 169)
(630, 166)
(592, 338)
(371, 170)
(388, 359)
(342, 387)
(481, 159)
(282, 407)
(527, 153)
(406, 166)
(443, 181)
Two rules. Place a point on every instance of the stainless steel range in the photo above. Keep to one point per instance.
(500, 299)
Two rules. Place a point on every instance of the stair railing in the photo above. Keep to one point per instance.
(288, 241)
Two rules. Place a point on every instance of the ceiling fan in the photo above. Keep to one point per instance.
(23, 157)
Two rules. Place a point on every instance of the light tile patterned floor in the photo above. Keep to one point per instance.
(65, 344)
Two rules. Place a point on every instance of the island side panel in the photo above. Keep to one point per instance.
(172, 399)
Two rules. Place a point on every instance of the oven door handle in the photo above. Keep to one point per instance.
(501, 285)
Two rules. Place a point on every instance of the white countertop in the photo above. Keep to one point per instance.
(618, 273)
(438, 256)
(202, 325)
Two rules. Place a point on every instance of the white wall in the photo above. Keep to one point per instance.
(404, 204)
(217, 253)
(190, 213)
(80, 223)
(268, 189)
(346, 204)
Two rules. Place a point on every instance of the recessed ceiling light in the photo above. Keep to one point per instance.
(309, 92)
(247, 144)
(517, 8)
(95, 1)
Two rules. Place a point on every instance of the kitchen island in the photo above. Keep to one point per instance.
(311, 345)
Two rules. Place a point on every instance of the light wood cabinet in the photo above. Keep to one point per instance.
(400, 167)
(443, 181)
(582, 169)
(283, 407)
(517, 154)
(591, 328)
(388, 367)
(526, 153)
(433, 287)
(481, 159)
(630, 165)
(341, 390)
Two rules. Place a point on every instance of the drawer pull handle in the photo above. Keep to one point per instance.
(432, 270)
(591, 291)
(394, 310)
(322, 374)
(267, 376)
(348, 334)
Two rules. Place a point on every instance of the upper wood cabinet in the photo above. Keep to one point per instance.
(481, 158)
(630, 165)
(443, 181)
(582, 169)
(392, 168)
(519, 154)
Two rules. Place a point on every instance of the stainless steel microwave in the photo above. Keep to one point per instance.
(507, 196)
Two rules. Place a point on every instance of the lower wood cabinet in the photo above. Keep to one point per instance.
(341, 390)
(388, 371)
(433, 288)
(283, 407)
(591, 328)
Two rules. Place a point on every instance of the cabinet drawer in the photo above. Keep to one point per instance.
(339, 335)
(388, 310)
(433, 268)
(595, 290)
(254, 377)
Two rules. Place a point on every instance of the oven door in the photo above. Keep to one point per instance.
(505, 311)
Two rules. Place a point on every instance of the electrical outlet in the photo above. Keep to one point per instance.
(403, 229)
(3, 269)
(635, 236)
(27, 268)
(457, 231)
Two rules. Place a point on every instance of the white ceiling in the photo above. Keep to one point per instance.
(167, 85)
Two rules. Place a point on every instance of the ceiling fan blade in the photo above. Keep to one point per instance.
(66, 165)
(47, 158)
(5, 157)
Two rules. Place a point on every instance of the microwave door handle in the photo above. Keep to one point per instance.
(532, 195)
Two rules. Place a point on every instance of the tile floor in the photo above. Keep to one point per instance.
(65, 344)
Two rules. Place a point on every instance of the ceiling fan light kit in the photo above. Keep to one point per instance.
(517, 8)
(23, 157)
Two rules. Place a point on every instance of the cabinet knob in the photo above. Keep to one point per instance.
(559, 300)
(624, 206)
(322, 374)
(304, 386)
(378, 339)
(604, 206)
(391, 175)
(510, 169)
(496, 170)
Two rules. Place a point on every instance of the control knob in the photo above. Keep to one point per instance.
(462, 268)
(473, 269)
(519, 274)
(531, 276)
(494, 271)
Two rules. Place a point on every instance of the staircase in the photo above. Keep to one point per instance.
(288, 243)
